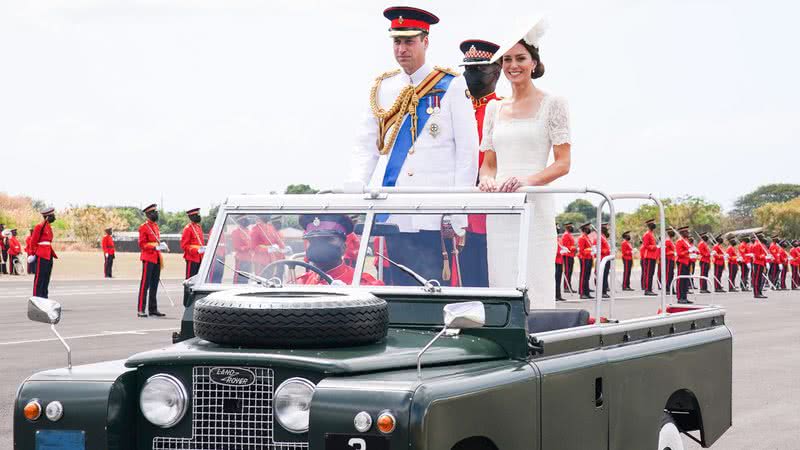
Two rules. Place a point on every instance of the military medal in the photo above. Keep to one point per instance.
(434, 129)
(436, 107)
(430, 106)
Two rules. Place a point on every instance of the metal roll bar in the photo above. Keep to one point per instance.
(662, 221)
(375, 192)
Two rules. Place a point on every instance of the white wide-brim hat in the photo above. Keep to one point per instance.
(530, 29)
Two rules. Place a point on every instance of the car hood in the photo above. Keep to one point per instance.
(399, 350)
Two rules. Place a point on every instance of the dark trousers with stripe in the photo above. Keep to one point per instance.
(108, 267)
(671, 274)
(648, 269)
(683, 283)
(586, 272)
(784, 271)
(795, 277)
(733, 269)
(12, 261)
(4, 256)
(745, 281)
(704, 268)
(757, 280)
(148, 287)
(474, 261)
(192, 268)
(627, 267)
(559, 273)
(606, 271)
(41, 282)
(774, 273)
(569, 266)
(421, 252)
(718, 268)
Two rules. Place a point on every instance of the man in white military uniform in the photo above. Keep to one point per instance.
(419, 131)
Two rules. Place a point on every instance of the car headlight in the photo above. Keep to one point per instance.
(163, 400)
(292, 404)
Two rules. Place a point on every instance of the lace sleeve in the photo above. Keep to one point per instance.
(558, 122)
(488, 126)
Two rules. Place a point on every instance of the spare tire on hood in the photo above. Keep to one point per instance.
(281, 319)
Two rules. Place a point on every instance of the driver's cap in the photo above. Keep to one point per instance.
(318, 225)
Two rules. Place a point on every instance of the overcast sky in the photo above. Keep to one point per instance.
(126, 102)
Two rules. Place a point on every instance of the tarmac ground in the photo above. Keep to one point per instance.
(100, 323)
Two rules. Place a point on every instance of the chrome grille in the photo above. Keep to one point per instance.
(230, 417)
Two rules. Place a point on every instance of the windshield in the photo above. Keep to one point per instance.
(372, 250)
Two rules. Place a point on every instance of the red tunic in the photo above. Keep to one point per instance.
(477, 222)
(559, 256)
(191, 241)
(584, 247)
(732, 256)
(605, 249)
(264, 239)
(669, 246)
(651, 250)
(41, 241)
(719, 255)
(28, 249)
(568, 241)
(682, 251)
(149, 238)
(14, 248)
(744, 249)
(627, 251)
(108, 244)
(241, 244)
(759, 254)
(795, 253)
(343, 273)
(705, 252)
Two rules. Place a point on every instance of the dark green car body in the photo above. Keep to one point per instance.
(591, 387)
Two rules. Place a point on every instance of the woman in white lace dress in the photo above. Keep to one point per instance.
(519, 134)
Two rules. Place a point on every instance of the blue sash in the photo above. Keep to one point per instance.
(403, 143)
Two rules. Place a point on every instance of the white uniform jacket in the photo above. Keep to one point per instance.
(449, 159)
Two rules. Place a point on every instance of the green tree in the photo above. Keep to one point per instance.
(171, 222)
(585, 208)
(300, 189)
(133, 216)
(770, 193)
(782, 219)
(575, 217)
(87, 223)
(208, 220)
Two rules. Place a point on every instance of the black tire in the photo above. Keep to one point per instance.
(291, 319)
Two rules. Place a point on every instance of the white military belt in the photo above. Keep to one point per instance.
(44, 243)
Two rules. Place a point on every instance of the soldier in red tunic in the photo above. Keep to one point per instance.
(29, 252)
(481, 76)
(605, 250)
(586, 252)
(705, 262)
(684, 259)
(150, 246)
(3, 249)
(669, 247)
(192, 243)
(326, 236)
(734, 260)
(242, 249)
(108, 252)
(627, 260)
(43, 253)
(760, 256)
(266, 243)
(569, 249)
(794, 261)
(14, 249)
(718, 254)
(649, 254)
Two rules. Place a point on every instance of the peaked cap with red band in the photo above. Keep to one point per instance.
(193, 211)
(477, 51)
(408, 21)
(325, 225)
(149, 208)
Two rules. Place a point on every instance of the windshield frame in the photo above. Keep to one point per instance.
(370, 206)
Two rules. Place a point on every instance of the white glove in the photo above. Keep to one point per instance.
(749, 265)
(105, 255)
(725, 257)
(273, 249)
(162, 247)
(738, 259)
(287, 250)
(201, 250)
(564, 252)
(780, 266)
(750, 255)
(770, 257)
(713, 253)
(594, 251)
(692, 256)
(31, 259)
(370, 252)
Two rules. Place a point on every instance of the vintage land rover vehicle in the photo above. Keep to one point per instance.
(262, 362)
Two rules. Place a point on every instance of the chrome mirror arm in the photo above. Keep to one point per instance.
(64, 343)
(424, 349)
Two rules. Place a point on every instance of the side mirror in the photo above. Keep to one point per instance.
(44, 310)
(456, 315)
(49, 312)
(464, 315)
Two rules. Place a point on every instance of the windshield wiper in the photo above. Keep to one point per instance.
(429, 285)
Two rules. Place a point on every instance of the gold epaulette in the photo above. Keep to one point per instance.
(447, 70)
(387, 74)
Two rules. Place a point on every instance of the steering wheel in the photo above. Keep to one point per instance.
(291, 263)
